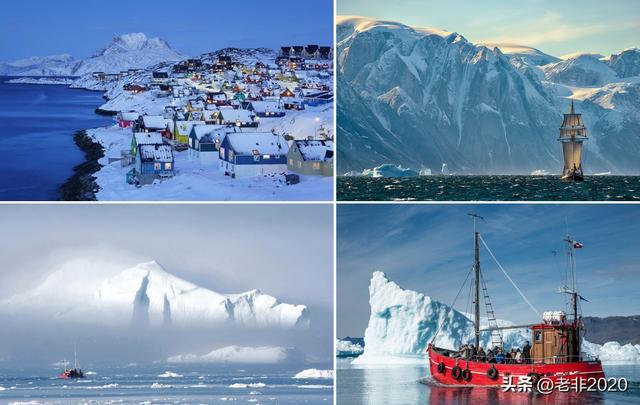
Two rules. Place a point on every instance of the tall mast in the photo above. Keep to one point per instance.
(476, 273)
(574, 296)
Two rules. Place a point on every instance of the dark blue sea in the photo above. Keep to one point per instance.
(36, 141)
(488, 188)
(166, 384)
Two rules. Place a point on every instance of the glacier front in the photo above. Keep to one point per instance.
(403, 323)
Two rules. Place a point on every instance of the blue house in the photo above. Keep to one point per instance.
(153, 161)
(249, 154)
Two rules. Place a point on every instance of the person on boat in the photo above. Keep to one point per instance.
(491, 357)
(518, 356)
(526, 353)
(482, 356)
(500, 357)
(473, 354)
(508, 358)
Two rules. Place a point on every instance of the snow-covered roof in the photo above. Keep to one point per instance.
(315, 151)
(156, 153)
(266, 143)
(154, 121)
(236, 115)
(269, 105)
(184, 127)
(129, 115)
(202, 130)
(210, 115)
(148, 138)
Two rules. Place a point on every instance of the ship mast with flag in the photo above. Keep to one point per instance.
(572, 134)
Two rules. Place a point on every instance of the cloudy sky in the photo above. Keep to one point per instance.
(80, 27)
(429, 248)
(285, 250)
(555, 27)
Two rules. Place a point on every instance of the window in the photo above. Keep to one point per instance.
(222, 153)
(266, 156)
(538, 336)
(316, 166)
(167, 166)
(157, 166)
(299, 164)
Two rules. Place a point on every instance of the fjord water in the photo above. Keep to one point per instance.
(185, 384)
(412, 384)
(489, 188)
(37, 147)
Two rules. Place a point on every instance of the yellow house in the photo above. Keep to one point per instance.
(182, 129)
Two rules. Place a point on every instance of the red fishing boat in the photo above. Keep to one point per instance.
(555, 353)
(68, 372)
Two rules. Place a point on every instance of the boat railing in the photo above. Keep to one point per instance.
(530, 360)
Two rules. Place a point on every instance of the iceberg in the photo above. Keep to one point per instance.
(236, 354)
(389, 170)
(346, 348)
(403, 323)
(314, 373)
(148, 296)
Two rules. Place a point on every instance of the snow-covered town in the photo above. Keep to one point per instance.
(235, 124)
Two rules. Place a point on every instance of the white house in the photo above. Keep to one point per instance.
(249, 154)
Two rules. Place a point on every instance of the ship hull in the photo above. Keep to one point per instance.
(573, 177)
(479, 370)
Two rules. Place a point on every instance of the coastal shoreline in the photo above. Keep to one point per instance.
(82, 185)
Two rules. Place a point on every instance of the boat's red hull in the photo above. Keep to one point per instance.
(568, 371)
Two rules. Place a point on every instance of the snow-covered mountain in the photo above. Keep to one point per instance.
(124, 52)
(403, 322)
(147, 296)
(421, 97)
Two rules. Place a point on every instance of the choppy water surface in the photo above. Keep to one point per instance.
(412, 384)
(193, 384)
(489, 188)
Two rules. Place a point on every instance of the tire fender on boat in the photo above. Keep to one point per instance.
(466, 374)
(441, 367)
(535, 377)
(456, 372)
(492, 373)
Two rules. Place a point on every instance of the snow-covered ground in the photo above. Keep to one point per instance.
(55, 81)
(404, 322)
(236, 354)
(194, 181)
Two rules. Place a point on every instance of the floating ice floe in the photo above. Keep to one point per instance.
(314, 373)
(389, 170)
(169, 374)
(345, 348)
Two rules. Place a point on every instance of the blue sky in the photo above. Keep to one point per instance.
(555, 27)
(429, 248)
(80, 27)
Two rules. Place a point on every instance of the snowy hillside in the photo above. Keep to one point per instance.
(146, 295)
(403, 322)
(421, 97)
(128, 51)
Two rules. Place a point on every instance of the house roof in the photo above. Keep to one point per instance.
(267, 143)
(184, 127)
(154, 121)
(156, 153)
(267, 105)
(129, 115)
(148, 138)
(200, 131)
(236, 115)
(315, 151)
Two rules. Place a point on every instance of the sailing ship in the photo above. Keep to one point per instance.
(68, 372)
(572, 134)
(555, 352)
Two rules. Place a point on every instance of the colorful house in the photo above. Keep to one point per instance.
(153, 161)
(311, 157)
(127, 119)
(249, 154)
(204, 142)
(182, 129)
(266, 108)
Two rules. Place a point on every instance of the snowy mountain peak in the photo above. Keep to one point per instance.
(530, 55)
(146, 295)
(132, 42)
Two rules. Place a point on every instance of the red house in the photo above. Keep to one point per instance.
(126, 119)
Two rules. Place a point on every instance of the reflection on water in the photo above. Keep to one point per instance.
(412, 384)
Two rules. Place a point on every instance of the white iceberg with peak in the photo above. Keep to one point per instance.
(314, 373)
(403, 323)
(146, 295)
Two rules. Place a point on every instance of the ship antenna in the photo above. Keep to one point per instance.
(571, 112)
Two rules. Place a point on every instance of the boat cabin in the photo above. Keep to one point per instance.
(554, 340)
